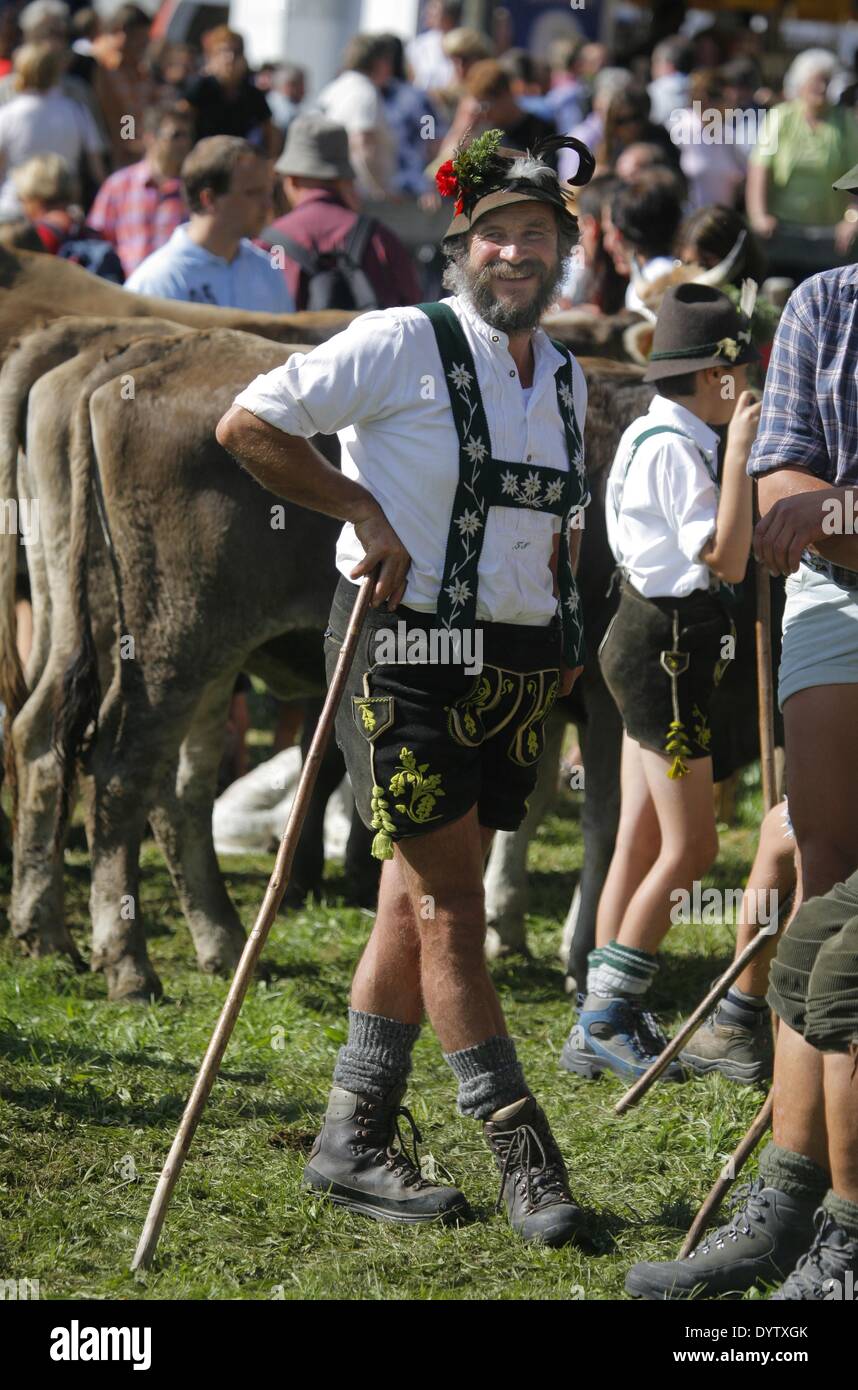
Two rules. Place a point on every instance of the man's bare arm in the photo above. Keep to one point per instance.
(291, 467)
(792, 509)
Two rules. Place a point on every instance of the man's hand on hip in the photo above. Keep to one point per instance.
(383, 547)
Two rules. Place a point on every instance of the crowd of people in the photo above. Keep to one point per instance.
(97, 120)
(188, 177)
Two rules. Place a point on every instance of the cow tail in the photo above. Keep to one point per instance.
(16, 378)
(79, 696)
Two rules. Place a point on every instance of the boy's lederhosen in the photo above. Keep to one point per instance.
(423, 743)
(662, 659)
(813, 981)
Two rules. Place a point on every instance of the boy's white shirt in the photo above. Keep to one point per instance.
(660, 515)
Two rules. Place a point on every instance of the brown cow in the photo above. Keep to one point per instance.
(36, 289)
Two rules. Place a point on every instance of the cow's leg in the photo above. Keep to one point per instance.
(37, 907)
(181, 819)
(601, 739)
(506, 874)
(127, 764)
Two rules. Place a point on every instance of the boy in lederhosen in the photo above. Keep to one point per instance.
(676, 536)
(461, 426)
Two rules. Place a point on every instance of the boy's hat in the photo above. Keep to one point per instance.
(698, 327)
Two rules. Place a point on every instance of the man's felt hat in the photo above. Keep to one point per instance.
(483, 176)
(849, 180)
(698, 327)
(316, 148)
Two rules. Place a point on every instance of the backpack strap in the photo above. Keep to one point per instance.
(307, 260)
(355, 244)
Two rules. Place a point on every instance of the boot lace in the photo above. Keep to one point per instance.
(650, 1031)
(379, 1128)
(747, 1205)
(816, 1271)
(532, 1164)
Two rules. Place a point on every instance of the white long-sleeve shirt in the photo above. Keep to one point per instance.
(379, 386)
(661, 513)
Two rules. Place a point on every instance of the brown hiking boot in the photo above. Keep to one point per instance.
(534, 1182)
(741, 1054)
(354, 1163)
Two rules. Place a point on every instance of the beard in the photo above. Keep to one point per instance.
(478, 287)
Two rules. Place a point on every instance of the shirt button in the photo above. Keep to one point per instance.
(512, 373)
(495, 338)
(529, 457)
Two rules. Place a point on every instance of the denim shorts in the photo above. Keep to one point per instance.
(820, 634)
(423, 743)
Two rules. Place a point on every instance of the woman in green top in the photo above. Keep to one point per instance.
(807, 225)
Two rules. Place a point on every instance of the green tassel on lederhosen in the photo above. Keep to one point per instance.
(675, 663)
(382, 845)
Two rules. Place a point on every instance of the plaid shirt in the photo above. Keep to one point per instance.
(137, 213)
(810, 406)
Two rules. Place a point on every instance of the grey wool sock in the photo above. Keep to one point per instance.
(489, 1076)
(377, 1056)
(844, 1212)
(793, 1173)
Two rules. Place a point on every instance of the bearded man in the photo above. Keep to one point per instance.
(463, 482)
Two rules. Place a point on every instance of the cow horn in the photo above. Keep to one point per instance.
(649, 314)
(723, 272)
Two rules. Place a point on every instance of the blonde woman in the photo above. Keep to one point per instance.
(42, 120)
(48, 191)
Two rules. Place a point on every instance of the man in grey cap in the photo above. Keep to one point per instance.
(333, 256)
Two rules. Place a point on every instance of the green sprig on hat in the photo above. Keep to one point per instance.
(477, 169)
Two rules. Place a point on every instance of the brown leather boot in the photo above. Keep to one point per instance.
(354, 1163)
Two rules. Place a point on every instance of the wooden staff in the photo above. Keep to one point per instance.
(728, 1175)
(763, 1119)
(255, 942)
(636, 1092)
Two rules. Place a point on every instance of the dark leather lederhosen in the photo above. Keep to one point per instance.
(663, 657)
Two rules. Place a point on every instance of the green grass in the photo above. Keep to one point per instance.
(91, 1094)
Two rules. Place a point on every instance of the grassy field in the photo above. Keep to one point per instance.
(91, 1093)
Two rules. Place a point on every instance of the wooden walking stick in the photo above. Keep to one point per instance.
(636, 1092)
(255, 942)
(763, 1118)
(729, 1173)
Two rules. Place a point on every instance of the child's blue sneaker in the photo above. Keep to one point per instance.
(614, 1035)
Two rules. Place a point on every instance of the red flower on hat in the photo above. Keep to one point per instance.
(446, 180)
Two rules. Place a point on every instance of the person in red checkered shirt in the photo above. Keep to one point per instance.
(138, 208)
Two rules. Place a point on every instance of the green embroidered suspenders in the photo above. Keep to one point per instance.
(485, 482)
